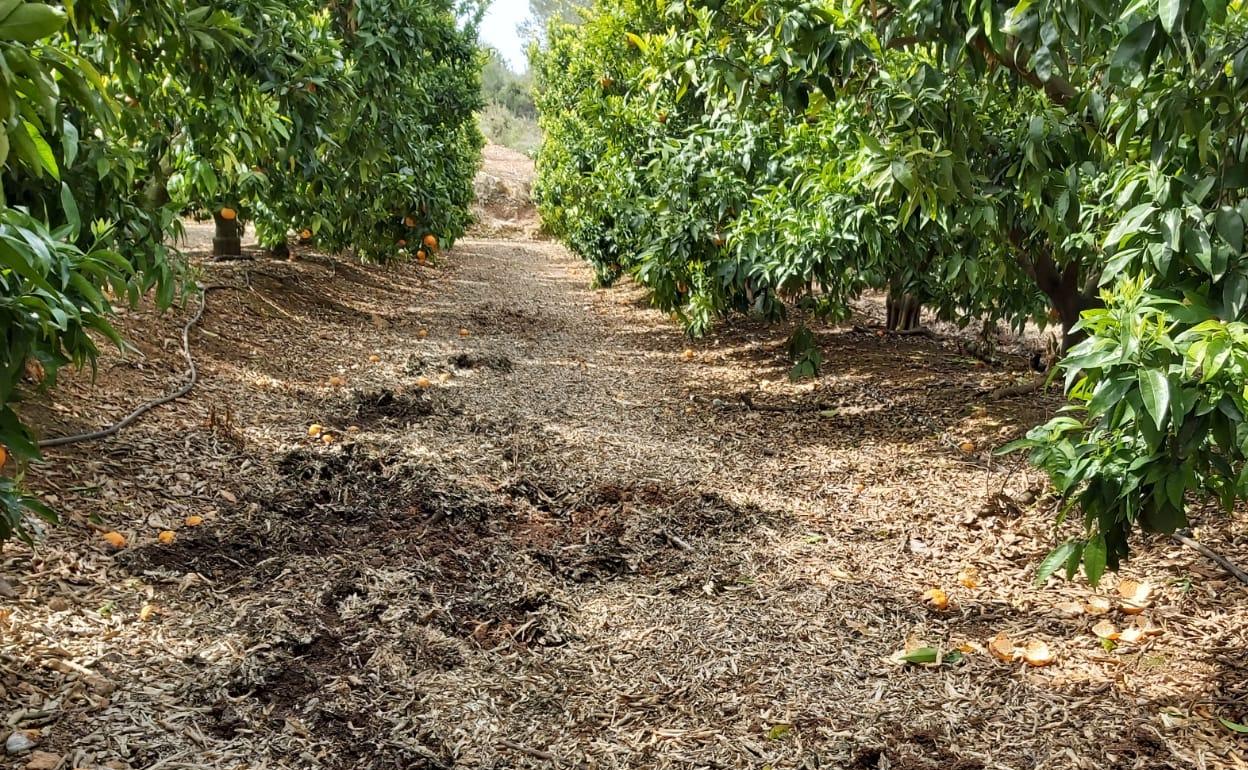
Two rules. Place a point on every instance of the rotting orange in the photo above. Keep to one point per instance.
(1002, 648)
(1105, 629)
(1037, 653)
(1135, 596)
(936, 598)
(969, 578)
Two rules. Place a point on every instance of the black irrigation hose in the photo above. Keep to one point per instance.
(192, 377)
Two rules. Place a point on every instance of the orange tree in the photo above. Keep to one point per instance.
(118, 117)
(944, 151)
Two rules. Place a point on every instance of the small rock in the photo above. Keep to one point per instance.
(43, 760)
(21, 740)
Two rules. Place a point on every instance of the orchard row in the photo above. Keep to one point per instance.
(1076, 161)
(348, 121)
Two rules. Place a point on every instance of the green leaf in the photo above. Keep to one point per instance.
(31, 22)
(1054, 561)
(1234, 727)
(928, 655)
(1170, 11)
(70, 207)
(1094, 559)
(1230, 225)
(1155, 390)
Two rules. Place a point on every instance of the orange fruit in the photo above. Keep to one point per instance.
(4, 455)
(1037, 653)
(374, 358)
(424, 382)
(194, 521)
(327, 438)
(146, 612)
(229, 214)
(422, 334)
(409, 221)
(969, 578)
(967, 447)
(1002, 648)
(167, 537)
(687, 355)
(430, 241)
(421, 256)
(336, 381)
(311, 88)
(402, 243)
(314, 430)
(1135, 596)
(1106, 629)
(305, 234)
(464, 332)
(353, 429)
(115, 539)
(936, 598)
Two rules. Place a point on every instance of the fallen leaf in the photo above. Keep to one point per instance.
(1070, 609)
(229, 496)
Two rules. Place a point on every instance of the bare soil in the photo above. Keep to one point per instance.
(575, 548)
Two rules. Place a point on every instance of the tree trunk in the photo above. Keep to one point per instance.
(903, 311)
(227, 241)
(1068, 298)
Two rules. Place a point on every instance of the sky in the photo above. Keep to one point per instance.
(499, 31)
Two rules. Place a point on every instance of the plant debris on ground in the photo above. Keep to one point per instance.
(574, 546)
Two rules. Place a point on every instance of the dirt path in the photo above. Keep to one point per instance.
(574, 549)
